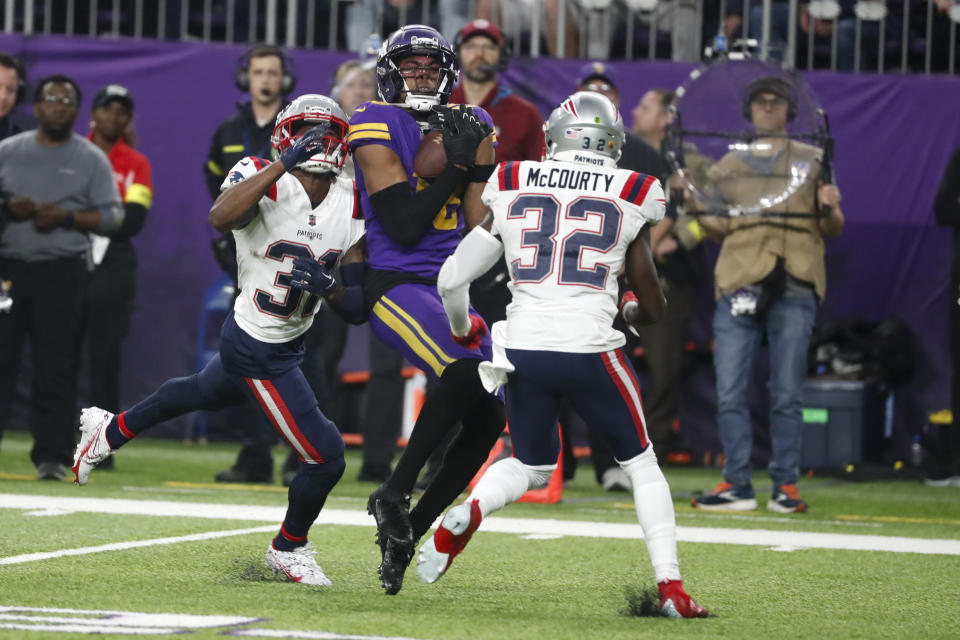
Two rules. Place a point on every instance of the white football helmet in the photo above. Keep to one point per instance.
(302, 114)
(585, 127)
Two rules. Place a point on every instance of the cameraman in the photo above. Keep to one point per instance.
(770, 275)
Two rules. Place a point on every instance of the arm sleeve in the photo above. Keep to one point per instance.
(352, 306)
(406, 217)
(946, 206)
(475, 255)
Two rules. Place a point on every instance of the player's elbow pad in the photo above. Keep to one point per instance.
(406, 217)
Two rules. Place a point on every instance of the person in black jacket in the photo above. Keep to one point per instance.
(944, 470)
(263, 72)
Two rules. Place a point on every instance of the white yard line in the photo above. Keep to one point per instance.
(522, 526)
(117, 546)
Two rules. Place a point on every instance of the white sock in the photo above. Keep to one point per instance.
(651, 497)
(505, 481)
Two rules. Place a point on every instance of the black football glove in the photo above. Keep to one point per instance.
(304, 147)
(310, 275)
(462, 133)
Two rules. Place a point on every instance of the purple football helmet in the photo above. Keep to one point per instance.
(415, 40)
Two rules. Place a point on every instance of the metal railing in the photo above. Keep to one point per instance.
(887, 35)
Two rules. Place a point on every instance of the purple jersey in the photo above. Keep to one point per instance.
(395, 128)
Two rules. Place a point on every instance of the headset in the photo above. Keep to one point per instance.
(242, 78)
(760, 85)
(505, 51)
(7, 60)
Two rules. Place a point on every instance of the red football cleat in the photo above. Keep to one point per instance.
(448, 541)
(675, 603)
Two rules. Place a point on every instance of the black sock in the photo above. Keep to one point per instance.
(482, 425)
(456, 392)
(306, 496)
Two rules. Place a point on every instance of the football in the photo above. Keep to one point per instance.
(430, 159)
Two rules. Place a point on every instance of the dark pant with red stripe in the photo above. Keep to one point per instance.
(601, 387)
(284, 396)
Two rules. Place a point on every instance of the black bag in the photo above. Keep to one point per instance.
(862, 350)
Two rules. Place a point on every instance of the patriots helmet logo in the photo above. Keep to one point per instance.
(235, 177)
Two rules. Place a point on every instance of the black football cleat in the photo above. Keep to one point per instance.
(391, 510)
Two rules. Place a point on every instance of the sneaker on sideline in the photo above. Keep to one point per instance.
(93, 447)
(675, 603)
(726, 497)
(448, 541)
(950, 481)
(786, 499)
(615, 479)
(298, 565)
(51, 471)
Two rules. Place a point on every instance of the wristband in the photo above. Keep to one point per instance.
(480, 172)
(67, 221)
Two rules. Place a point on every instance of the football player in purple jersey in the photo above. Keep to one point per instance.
(413, 225)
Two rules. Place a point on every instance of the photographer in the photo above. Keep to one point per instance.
(770, 276)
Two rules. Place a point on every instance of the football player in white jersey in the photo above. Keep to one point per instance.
(566, 226)
(294, 220)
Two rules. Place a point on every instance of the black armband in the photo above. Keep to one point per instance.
(406, 217)
(480, 172)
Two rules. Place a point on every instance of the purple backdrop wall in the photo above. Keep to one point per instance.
(893, 138)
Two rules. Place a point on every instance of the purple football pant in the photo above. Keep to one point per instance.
(410, 318)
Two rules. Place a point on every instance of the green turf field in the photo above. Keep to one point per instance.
(774, 576)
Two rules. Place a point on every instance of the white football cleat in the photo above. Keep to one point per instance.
(298, 565)
(448, 541)
(93, 448)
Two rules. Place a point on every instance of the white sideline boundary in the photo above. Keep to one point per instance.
(521, 526)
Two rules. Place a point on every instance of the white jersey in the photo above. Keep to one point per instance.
(288, 226)
(565, 229)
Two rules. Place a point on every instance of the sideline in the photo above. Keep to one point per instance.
(117, 546)
(522, 526)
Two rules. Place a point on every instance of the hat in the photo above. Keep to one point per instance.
(593, 70)
(482, 27)
(769, 84)
(112, 92)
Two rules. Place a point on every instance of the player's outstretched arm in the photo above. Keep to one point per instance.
(238, 205)
(474, 256)
(642, 276)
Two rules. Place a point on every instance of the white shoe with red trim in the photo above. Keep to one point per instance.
(93, 448)
(298, 565)
(448, 541)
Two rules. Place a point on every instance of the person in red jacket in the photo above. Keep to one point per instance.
(112, 283)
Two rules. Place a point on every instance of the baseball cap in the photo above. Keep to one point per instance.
(112, 92)
(483, 27)
(593, 70)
